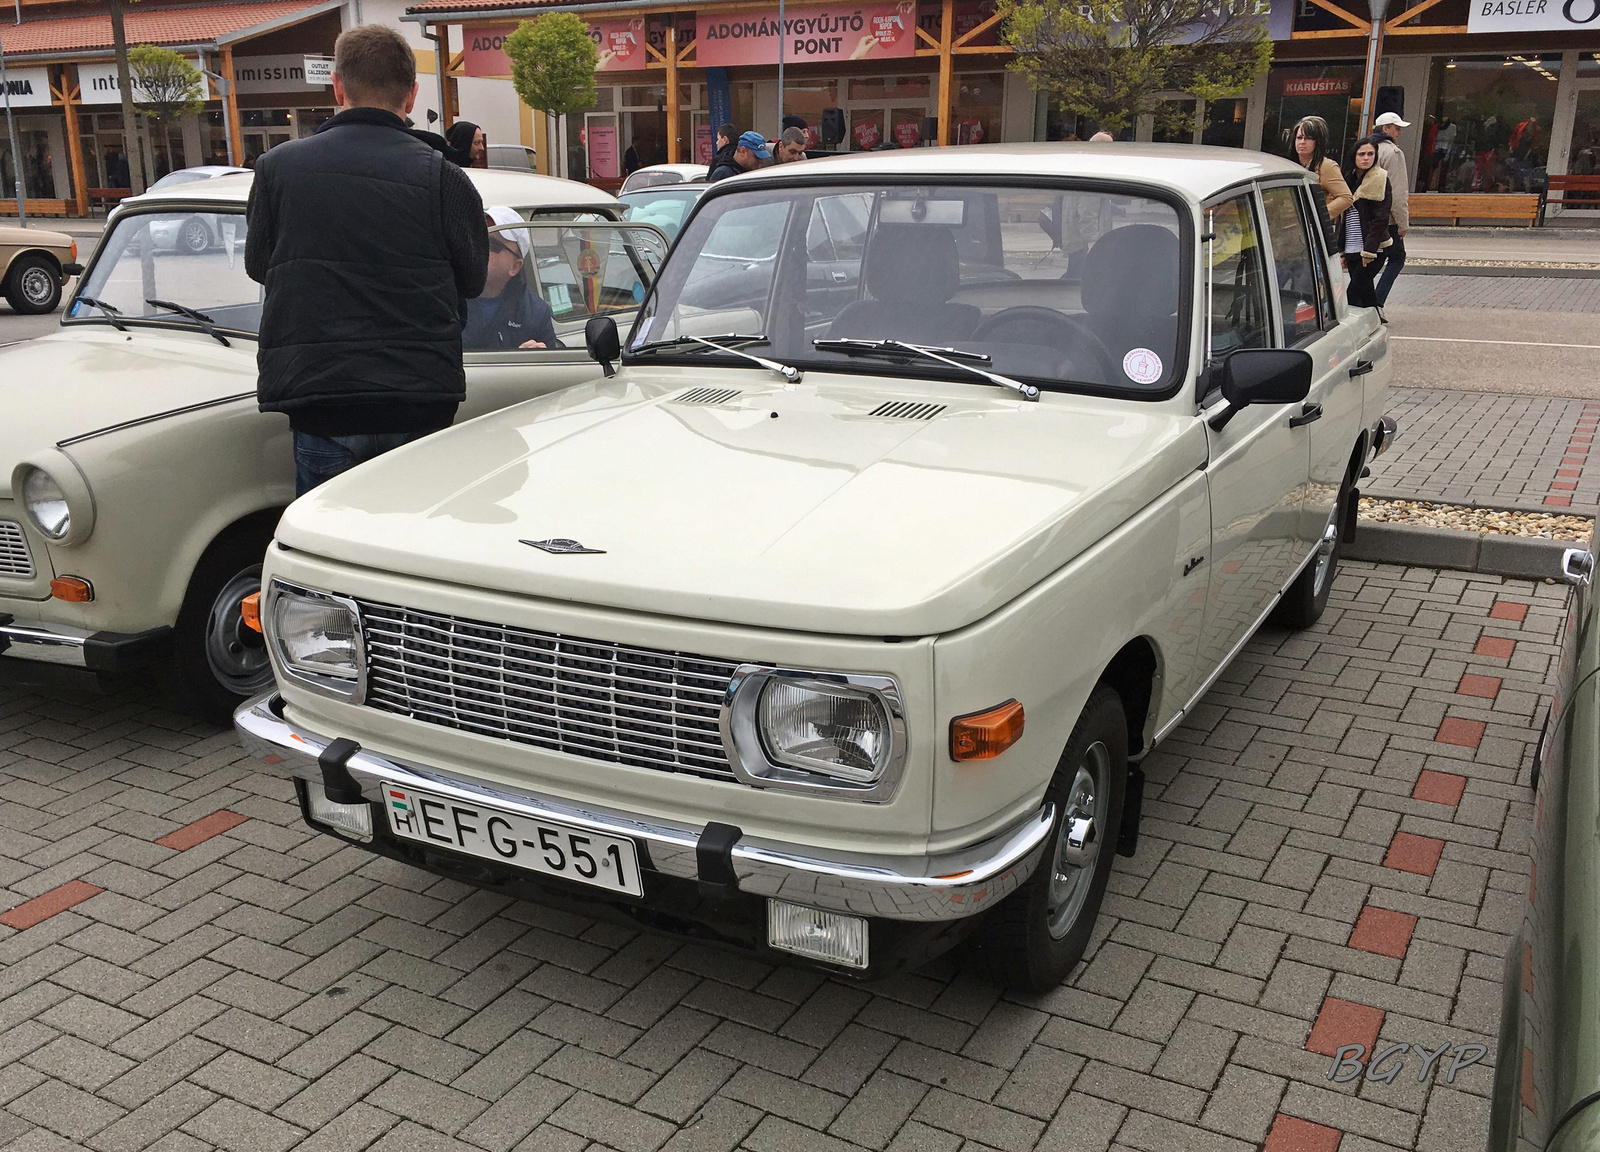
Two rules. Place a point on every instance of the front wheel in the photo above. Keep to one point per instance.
(218, 662)
(1303, 604)
(34, 286)
(195, 237)
(1033, 939)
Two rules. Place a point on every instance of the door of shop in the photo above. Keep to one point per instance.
(1583, 155)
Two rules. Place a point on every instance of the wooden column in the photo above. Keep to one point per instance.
(69, 104)
(441, 50)
(947, 68)
(231, 108)
(672, 91)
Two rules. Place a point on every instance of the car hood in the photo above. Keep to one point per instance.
(801, 507)
(88, 378)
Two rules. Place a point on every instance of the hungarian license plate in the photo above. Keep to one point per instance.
(511, 838)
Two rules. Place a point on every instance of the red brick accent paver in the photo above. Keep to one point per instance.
(44, 906)
(1483, 687)
(1344, 1022)
(1439, 787)
(1382, 931)
(1563, 486)
(1411, 853)
(1497, 646)
(1459, 731)
(1574, 461)
(1508, 610)
(201, 830)
(1292, 1134)
(1559, 501)
(1569, 473)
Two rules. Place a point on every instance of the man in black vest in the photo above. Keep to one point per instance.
(369, 244)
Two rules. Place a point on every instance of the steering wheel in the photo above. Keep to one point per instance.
(1074, 331)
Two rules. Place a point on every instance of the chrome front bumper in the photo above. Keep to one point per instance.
(79, 648)
(921, 888)
(46, 645)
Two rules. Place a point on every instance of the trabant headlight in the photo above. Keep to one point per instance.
(317, 639)
(839, 732)
(46, 504)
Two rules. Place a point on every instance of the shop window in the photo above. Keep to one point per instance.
(1225, 120)
(1489, 129)
(1174, 122)
(808, 101)
(1065, 125)
(979, 97)
(1585, 154)
(1332, 91)
(891, 88)
(38, 173)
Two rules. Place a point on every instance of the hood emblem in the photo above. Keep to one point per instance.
(560, 546)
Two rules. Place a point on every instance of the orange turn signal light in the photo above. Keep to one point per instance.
(984, 735)
(73, 589)
(250, 609)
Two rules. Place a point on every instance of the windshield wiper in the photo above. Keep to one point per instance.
(787, 371)
(113, 315)
(954, 357)
(206, 323)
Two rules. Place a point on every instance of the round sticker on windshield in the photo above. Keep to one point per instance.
(1142, 366)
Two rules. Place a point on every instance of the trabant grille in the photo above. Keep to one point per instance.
(15, 559)
(590, 698)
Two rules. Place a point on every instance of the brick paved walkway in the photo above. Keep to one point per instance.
(1332, 854)
(1533, 294)
(1491, 449)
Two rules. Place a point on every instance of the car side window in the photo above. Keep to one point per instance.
(1240, 317)
(1298, 286)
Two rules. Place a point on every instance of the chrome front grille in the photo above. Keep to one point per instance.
(15, 559)
(589, 698)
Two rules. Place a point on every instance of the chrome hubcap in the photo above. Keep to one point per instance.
(37, 286)
(195, 237)
(237, 654)
(1079, 840)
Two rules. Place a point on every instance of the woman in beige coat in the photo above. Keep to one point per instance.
(1311, 149)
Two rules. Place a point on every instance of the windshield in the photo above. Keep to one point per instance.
(1061, 288)
(191, 258)
(665, 209)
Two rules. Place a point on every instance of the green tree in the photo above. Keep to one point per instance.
(165, 86)
(1110, 60)
(553, 62)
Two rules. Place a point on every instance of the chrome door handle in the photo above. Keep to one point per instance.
(1308, 413)
(1361, 368)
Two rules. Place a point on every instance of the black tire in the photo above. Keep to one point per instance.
(33, 286)
(1302, 605)
(1033, 940)
(194, 237)
(218, 663)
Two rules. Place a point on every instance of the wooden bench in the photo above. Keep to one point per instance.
(34, 207)
(1459, 206)
(105, 197)
(1562, 189)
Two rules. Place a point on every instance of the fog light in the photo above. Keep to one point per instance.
(353, 820)
(820, 935)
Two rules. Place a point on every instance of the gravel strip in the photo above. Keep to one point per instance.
(1445, 262)
(1476, 519)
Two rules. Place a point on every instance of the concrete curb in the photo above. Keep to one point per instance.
(1529, 271)
(1527, 557)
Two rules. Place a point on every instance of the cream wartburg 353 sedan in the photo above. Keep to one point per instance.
(139, 484)
(933, 488)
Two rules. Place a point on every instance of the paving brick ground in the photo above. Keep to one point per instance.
(1332, 854)
(1524, 293)
(1535, 453)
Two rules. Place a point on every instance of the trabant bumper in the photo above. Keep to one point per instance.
(110, 652)
(945, 887)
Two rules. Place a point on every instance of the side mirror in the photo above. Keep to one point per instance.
(1262, 376)
(605, 346)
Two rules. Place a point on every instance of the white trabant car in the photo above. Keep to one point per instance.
(139, 484)
(932, 491)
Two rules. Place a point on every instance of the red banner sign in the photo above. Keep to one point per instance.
(835, 32)
(619, 42)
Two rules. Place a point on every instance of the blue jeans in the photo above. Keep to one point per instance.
(1391, 260)
(319, 458)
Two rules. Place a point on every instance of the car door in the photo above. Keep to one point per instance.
(1258, 464)
(1307, 319)
(580, 270)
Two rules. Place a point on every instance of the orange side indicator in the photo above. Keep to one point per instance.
(984, 735)
(73, 589)
(250, 609)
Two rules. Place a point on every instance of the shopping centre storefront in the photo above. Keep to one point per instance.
(62, 85)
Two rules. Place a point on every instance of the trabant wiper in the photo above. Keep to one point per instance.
(954, 357)
(787, 371)
(206, 323)
(113, 315)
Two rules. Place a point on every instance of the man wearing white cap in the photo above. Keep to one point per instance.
(1386, 135)
(508, 314)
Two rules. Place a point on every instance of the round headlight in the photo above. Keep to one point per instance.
(46, 504)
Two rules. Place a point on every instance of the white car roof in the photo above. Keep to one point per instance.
(1194, 170)
(495, 185)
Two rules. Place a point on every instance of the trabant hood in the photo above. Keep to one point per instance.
(789, 507)
(90, 377)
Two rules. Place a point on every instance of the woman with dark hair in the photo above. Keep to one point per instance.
(1364, 231)
(1311, 150)
(467, 146)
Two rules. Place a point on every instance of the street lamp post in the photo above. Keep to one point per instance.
(1374, 49)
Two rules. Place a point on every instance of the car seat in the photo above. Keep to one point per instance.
(1130, 290)
(911, 270)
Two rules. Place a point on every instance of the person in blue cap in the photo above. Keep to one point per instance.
(751, 150)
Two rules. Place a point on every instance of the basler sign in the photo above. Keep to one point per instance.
(1533, 15)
